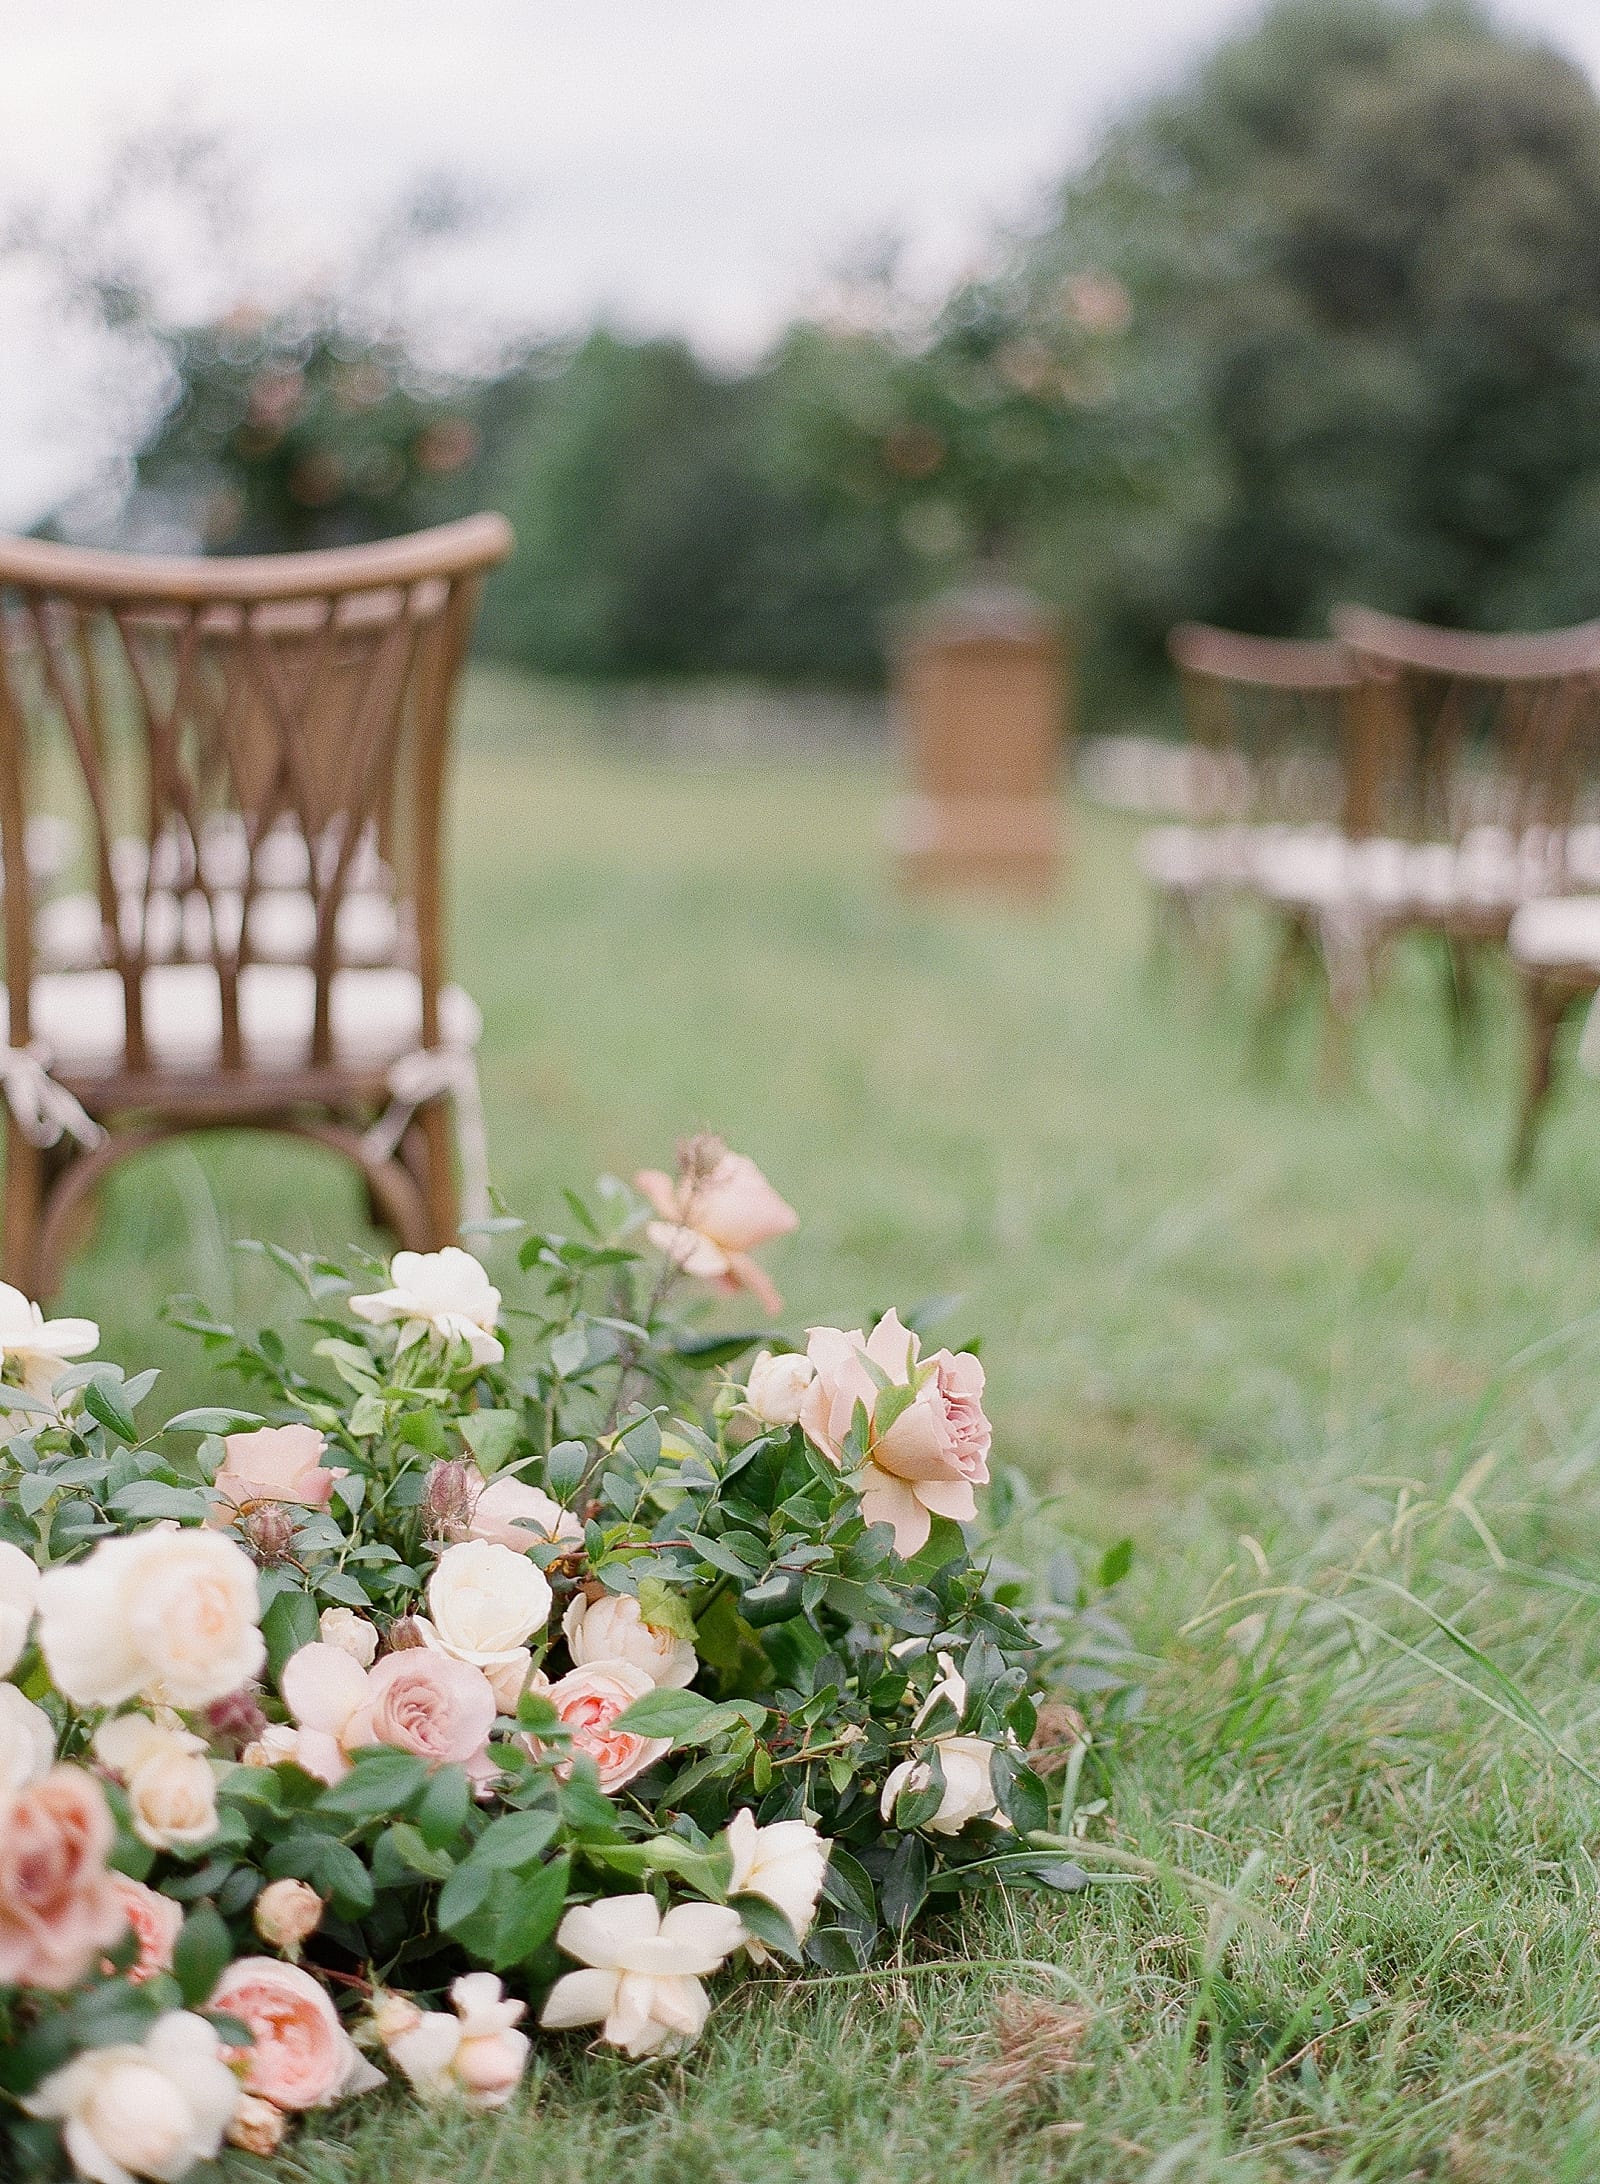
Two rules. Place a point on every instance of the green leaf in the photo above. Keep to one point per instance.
(104, 1400)
(381, 1780)
(463, 1894)
(332, 1868)
(663, 1608)
(568, 1351)
(143, 1500)
(531, 1914)
(847, 1885)
(214, 1421)
(564, 1467)
(442, 1810)
(491, 1435)
(516, 1838)
(289, 1623)
(709, 1350)
(904, 1886)
(777, 1599)
(200, 1954)
(676, 1715)
(1020, 1794)
(1115, 1564)
(348, 1591)
(768, 1925)
(407, 1845)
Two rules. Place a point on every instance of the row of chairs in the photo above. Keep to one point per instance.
(1397, 779)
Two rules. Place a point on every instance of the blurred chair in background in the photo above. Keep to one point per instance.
(259, 749)
(1476, 756)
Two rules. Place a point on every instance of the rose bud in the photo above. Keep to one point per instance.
(236, 1720)
(287, 1913)
(269, 1532)
(258, 2126)
(447, 1498)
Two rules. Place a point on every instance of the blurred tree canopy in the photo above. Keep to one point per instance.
(1323, 322)
(1366, 240)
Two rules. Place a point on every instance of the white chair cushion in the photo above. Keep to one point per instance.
(283, 927)
(1489, 870)
(1562, 933)
(377, 1017)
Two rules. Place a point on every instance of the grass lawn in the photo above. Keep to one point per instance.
(1334, 1378)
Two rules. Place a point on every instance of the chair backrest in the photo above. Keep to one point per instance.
(1476, 730)
(1269, 722)
(231, 722)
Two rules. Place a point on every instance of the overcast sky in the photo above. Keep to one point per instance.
(697, 164)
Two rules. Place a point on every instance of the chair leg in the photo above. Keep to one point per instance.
(24, 1209)
(1461, 991)
(430, 1152)
(1545, 1002)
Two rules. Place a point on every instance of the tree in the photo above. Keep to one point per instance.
(1363, 245)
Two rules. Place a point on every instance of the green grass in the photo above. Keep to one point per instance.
(1303, 1347)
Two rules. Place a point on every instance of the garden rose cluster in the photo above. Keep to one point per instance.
(457, 1664)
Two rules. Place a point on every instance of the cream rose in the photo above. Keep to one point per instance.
(302, 2057)
(717, 1211)
(484, 1603)
(287, 1913)
(588, 1701)
(154, 2111)
(40, 1349)
(784, 1864)
(476, 2053)
(19, 1596)
(27, 1742)
(444, 1294)
(923, 1456)
(642, 1985)
(613, 1628)
(776, 1387)
(351, 1633)
(162, 1614)
(274, 1464)
(968, 1787)
(515, 1515)
(172, 1793)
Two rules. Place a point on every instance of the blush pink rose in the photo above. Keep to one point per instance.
(301, 2056)
(59, 1906)
(275, 1464)
(428, 1703)
(588, 1701)
(156, 1922)
(923, 1462)
(509, 1513)
(713, 1215)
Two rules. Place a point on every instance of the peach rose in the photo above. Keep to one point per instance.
(275, 1464)
(59, 1907)
(156, 1922)
(613, 1629)
(926, 1457)
(287, 1913)
(302, 2056)
(713, 1215)
(161, 1614)
(588, 1701)
(509, 1513)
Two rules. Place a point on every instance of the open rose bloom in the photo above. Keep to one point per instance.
(714, 1214)
(301, 2056)
(642, 1981)
(419, 1701)
(926, 1457)
(276, 1464)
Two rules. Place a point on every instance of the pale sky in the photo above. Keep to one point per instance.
(694, 164)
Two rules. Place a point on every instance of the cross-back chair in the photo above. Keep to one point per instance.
(258, 748)
(1268, 720)
(1472, 756)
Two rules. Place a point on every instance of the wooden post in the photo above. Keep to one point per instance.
(981, 699)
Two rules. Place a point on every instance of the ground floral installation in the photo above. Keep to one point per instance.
(538, 1667)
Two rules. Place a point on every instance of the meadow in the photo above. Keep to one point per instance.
(1308, 1350)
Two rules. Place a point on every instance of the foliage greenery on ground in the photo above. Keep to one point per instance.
(1333, 1377)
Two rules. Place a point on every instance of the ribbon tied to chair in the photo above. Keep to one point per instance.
(431, 1073)
(44, 1110)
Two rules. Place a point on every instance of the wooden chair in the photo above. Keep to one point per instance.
(239, 733)
(1268, 722)
(1470, 758)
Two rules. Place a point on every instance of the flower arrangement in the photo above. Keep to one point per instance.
(527, 1672)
